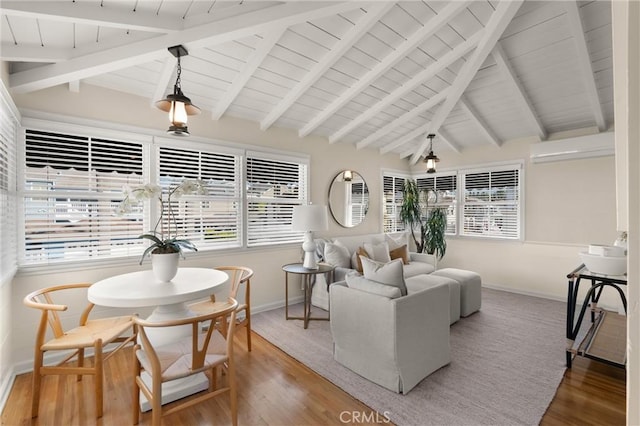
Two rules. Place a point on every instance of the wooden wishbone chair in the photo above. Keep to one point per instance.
(238, 275)
(198, 352)
(95, 333)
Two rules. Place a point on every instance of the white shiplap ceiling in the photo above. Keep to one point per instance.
(380, 75)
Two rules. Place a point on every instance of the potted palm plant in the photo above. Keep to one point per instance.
(430, 222)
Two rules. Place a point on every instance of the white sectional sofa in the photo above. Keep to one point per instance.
(420, 263)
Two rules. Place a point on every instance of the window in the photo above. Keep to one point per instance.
(392, 201)
(74, 183)
(482, 202)
(274, 185)
(8, 220)
(72, 186)
(490, 203)
(442, 194)
(211, 221)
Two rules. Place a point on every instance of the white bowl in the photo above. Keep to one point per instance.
(608, 265)
(604, 250)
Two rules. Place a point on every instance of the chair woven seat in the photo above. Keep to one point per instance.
(105, 329)
(176, 359)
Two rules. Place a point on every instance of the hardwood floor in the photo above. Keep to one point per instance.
(275, 389)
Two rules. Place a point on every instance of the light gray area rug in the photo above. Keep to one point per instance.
(507, 362)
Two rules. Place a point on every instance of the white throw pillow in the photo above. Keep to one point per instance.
(337, 255)
(361, 283)
(390, 273)
(378, 252)
(395, 243)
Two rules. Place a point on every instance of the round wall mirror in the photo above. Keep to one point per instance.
(348, 198)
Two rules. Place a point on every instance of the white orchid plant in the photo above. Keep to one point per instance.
(162, 243)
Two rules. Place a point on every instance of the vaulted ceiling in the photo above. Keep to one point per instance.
(380, 75)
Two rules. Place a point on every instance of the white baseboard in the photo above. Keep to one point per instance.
(525, 293)
(5, 388)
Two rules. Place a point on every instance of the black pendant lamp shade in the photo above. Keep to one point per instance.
(177, 104)
(431, 159)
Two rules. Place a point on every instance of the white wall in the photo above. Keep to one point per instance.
(568, 205)
(268, 285)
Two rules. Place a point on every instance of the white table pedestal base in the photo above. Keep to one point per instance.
(176, 389)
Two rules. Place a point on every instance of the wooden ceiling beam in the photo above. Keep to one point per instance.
(505, 11)
(519, 93)
(444, 137)
(374, 14)
(428, 29)
(206, 35)
(485, 129)
(420, 78)
(162, 84)
(91, 13)
(262, 50)
(404, 118)
(584, 62)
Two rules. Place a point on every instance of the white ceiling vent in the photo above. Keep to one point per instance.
(598, 145)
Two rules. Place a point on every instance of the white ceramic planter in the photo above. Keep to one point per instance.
(165, 265)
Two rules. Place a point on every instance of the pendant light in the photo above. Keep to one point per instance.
(431, 159)
(177, 104)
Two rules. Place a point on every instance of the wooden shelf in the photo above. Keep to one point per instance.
(605, 340)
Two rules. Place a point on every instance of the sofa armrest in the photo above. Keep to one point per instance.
(423, 257)
(340, 273)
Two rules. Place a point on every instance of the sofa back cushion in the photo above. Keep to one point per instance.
(390, 273)
(337, 255)
(359, 282)
(353, 242)
(378, 251)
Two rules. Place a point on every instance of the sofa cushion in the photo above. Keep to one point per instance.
(390, 273)
(418, 268)
(363, 284)
(337, 254)
(378, 251)
(400, 253)
(396, 241)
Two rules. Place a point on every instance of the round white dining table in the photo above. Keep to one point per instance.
(141, 289)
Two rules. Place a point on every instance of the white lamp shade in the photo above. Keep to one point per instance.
(311, 217)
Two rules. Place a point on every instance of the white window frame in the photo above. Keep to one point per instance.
(490, 232)
(459, 207)
(9, 125)
(152, 145)
(396, 225)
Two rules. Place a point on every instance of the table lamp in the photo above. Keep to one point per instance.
(310, 218)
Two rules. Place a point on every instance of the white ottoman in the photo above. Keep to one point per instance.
(420, 282)
(470, 288)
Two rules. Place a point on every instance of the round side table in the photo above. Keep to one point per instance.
(308, 279)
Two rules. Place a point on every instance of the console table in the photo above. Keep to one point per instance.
(605, 339)
(308, 279)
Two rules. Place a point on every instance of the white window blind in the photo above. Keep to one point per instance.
(392, 194)
(209, 221)
(72, 185)
(445, 189)
(491, 203)
(274, 186)
(8, 199)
